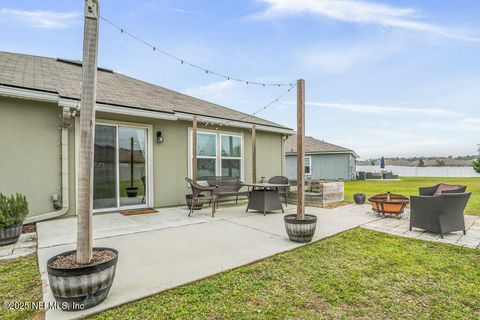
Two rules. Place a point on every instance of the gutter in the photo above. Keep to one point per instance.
(289, 153)
(37, 95)
(232, 123)
(66, 115)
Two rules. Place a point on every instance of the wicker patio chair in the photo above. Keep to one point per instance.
(199, 197)
(282, 191)
(441, 188)
(439, 213)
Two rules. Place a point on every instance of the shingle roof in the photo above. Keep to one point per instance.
(64, 78)
(314, 146)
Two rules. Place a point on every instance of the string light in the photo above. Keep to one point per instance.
(265, 106)
(207, 71)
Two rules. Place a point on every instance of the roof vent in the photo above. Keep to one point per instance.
(79, 64)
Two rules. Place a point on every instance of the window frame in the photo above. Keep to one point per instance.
(218, 158)
(309, 158)
(221, 157)
(205, 157)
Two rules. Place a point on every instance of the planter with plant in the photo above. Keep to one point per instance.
(13, 211)
(82, 278)
(300, 227)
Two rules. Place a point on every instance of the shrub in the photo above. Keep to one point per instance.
(13, 210)
(476, 164)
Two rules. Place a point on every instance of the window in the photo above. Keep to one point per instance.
(206, 154)
(219, 154)
(231, 155)
(308, 166)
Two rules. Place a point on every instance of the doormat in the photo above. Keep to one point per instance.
(138, 211)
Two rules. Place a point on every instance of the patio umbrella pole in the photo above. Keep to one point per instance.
(131, 162)
(300, 150)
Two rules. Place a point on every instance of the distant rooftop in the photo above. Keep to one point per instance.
(315, 146)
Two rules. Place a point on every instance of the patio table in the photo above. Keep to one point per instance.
(264, 197)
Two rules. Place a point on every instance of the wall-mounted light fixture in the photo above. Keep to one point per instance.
(159, 137)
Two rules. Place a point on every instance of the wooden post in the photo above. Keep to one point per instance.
(87, 133)
(194, 149)
(254, 154)
(300, 149)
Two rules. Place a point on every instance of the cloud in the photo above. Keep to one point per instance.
(340, 58)
(361, 12)
(39, 18)
(373, 109)
(211, 87)
(474, 121)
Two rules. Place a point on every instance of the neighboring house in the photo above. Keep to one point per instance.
(137, 124)
(323, 160)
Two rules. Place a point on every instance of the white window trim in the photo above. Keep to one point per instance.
(309, 166)
(149, 201)
(218, 157)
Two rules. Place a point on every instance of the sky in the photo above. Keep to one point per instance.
(392, 78)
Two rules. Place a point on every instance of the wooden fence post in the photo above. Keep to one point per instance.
(87, 132)
(300, 149)
(194, 149)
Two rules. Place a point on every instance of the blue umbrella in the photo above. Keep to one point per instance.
(382, 163)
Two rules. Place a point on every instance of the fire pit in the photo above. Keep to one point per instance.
(388, 203)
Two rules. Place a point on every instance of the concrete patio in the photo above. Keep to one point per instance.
(168, 249)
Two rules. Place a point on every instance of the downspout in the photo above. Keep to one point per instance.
(66, 115)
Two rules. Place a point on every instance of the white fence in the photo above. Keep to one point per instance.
(404, 171)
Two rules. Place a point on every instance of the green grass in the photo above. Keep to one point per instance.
(109, 188)
(360, 274)
(20, 281)
(409, 186)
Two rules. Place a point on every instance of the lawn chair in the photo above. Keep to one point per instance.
(198, 197)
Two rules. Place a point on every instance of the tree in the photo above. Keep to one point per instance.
(439, 163)
(421, 163)
(476, 164)
(87, 132)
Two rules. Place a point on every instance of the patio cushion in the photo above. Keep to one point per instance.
(446, 187)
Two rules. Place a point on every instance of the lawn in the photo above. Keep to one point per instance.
(20, 281)
(409, 186)
(360, 274)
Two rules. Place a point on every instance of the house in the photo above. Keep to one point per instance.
(323, 160)
(142, 139)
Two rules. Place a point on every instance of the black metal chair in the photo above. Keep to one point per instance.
(282, 191)
(439, 213)
(198, 197)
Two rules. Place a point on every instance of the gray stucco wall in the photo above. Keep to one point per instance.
(30, 154)
(324, 166)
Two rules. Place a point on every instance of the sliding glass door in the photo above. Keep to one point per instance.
(120, 167)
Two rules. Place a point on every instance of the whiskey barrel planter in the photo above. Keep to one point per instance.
(10, 234)
(79, 288)
(300, 230)
(359, 198)
(198, 204)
